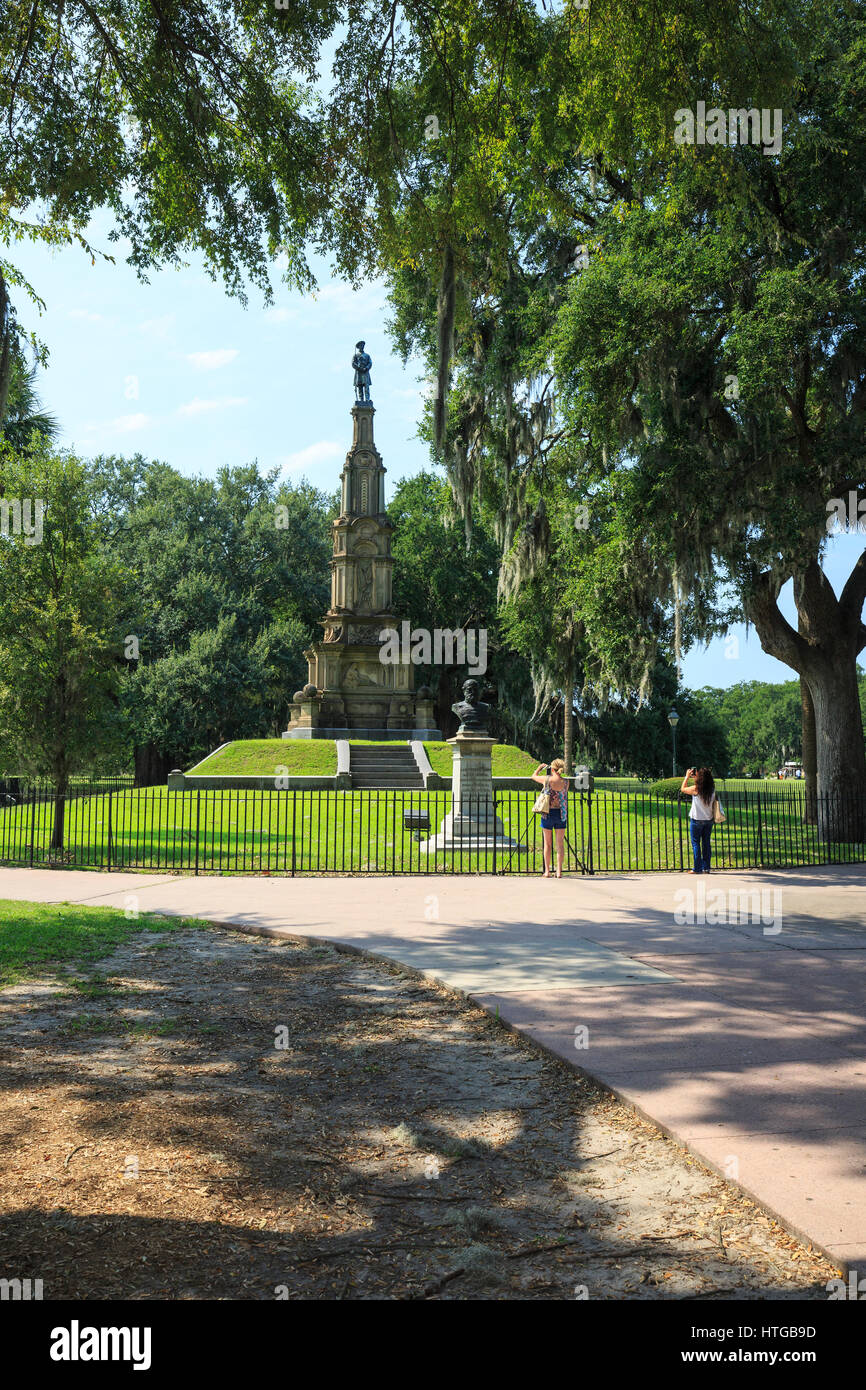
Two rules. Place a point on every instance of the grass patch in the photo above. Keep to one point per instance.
(91, 1023)
(34, 936)
(97, 986)
(260, 757)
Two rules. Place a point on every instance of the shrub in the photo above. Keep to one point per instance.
(668, 787)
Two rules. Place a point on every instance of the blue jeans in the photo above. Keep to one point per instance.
(700, 831)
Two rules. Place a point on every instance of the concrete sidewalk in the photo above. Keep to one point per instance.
(744, 1040)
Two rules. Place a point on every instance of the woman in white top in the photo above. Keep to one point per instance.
(703, 794)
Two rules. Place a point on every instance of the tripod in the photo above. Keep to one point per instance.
(572, 851)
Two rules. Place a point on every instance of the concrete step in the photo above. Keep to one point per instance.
(391, 775)
(391, 768)
(380, 784)
(385, 766)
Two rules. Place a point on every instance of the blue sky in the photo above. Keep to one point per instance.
(177, 370)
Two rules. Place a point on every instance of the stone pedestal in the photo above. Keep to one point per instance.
(472, 823)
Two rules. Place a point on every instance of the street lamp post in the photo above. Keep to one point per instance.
(673, 720)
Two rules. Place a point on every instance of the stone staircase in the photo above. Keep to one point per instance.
(382, 766)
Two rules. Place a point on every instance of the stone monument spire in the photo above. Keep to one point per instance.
(349, 690)
(361, 564)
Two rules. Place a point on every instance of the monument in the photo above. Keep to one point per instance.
(472, 824)
(350, 692)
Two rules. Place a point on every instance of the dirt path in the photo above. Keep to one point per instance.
(158, 1140)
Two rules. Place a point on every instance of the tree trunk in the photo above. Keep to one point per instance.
(5, 348)
(810, 759)
(59, 815)
(151, 766)
(841, 762)
(568, 724)
(824, 652)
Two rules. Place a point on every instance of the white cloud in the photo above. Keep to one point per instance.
(122, 424)
(158, 328)
(86, 315)
(199, 407)
(322, 452)
(282, 315)
(208, 361)
(367, 303)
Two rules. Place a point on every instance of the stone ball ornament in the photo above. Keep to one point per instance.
(310, 692)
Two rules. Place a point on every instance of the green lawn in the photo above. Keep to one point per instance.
(35, 936)
(260, 757)
(772, 787)
(329, 831)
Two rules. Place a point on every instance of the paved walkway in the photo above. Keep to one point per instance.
(744, 1039)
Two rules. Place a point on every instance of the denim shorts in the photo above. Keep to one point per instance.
(554, 820)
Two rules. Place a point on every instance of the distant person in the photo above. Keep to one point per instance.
(552, 780)
(703, 794)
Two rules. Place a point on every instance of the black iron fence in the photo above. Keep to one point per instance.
(14, 790)
(408, 832)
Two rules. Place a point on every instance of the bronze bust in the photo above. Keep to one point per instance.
(471, 711)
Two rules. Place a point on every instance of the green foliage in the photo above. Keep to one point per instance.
(609, 286)
(60, 622)
(185, 122)
(24, 411)
(225, 599)
(762, 723)
(668, 787)
(440, 581)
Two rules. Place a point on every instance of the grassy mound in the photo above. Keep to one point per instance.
(317, 757)
(260, 757)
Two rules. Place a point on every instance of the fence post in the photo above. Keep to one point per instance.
(294, 812)
(589, 811)
(197, 814)
(759, 848)
(109, 829)
(32, 823)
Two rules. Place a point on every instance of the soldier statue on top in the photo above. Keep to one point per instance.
(362, 362)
